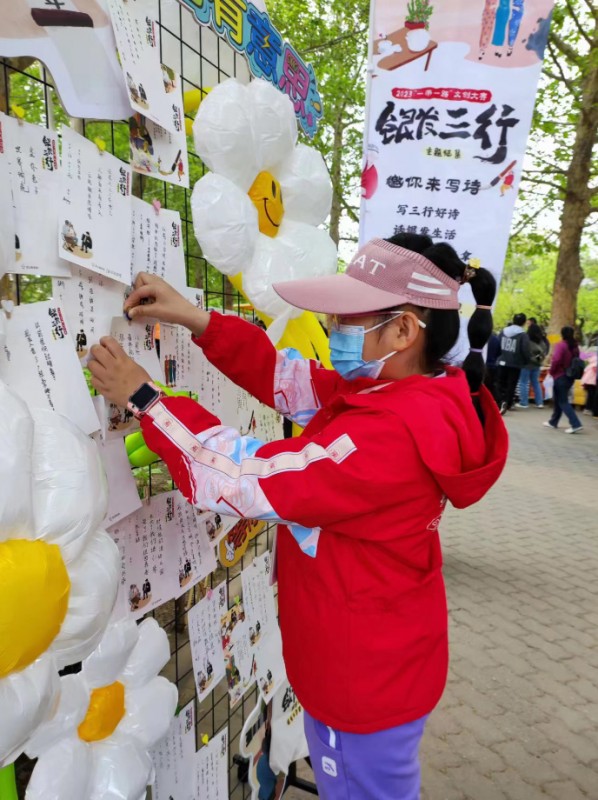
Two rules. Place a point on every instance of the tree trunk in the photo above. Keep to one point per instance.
(576, 207)
(336, 176)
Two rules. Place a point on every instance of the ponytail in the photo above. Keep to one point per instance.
(442, 327)
(479, 329)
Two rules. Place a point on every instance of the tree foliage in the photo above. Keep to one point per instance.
(564, 170)
(333, 35)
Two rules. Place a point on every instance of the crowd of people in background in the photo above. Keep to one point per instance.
(516, 359)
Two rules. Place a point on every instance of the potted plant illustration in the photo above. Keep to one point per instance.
(417, 23)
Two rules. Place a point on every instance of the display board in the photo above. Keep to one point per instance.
(109, 191)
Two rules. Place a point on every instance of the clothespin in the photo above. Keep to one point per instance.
(209, 594)
(205, 738)
(19, 113)
(146, 495)
(157, 205)
(237, 600)
(100, 144)
(8, 307)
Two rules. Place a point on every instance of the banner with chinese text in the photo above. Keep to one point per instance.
(451, 92)
(247, 27)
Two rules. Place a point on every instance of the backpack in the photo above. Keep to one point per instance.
(536, 354)
(576, 368)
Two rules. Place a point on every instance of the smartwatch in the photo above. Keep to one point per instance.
(143, 399)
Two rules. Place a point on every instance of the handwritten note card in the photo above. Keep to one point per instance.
(204, 637)
(38, 361)
(31, 155)
(94, 209)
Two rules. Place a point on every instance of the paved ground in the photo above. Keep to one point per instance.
(519, 718)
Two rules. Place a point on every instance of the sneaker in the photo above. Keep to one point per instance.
(574, 430)
(540, 406)
(518, 405)
(503, 409)
(587, 412)
(548, 424)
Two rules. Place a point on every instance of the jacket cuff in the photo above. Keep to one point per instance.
(212, 331)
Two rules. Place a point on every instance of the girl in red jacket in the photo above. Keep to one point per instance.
(388, 437)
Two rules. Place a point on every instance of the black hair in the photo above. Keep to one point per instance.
(535, 333)
(442, 326)
(532, 320)
(568, 335)
(519, 319)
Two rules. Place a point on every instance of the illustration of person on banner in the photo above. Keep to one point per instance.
(389, 435)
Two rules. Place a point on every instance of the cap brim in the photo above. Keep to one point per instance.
(336, 294)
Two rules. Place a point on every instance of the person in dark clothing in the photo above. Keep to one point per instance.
(514, 354)
(492, 355)
(564, 353)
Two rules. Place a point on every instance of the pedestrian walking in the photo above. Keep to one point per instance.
(562, 369)
(514, 355)
(531, 371)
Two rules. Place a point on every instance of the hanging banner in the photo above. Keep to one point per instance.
(451, 92)
(249, 30)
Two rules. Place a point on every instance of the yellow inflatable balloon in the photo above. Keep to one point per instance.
(191, 102)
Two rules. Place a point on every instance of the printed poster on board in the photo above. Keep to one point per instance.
(450, 102)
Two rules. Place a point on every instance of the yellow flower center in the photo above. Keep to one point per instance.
(34, 594)
(266, 196)
(106, 709)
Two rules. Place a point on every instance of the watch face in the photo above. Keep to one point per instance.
(144, 396)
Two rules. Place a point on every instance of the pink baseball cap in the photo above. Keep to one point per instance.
(381, 275)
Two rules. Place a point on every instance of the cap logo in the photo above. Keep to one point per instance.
(360, 261)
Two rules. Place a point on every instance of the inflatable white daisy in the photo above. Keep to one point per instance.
(96, 745)
(257, 212)
(58, 571)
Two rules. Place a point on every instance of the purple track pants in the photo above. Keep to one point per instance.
(374, 766)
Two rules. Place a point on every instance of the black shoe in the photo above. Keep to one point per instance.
(503, 409)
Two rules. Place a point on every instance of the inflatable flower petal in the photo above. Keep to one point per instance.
(58, 572)
(263, 184)
(110, 714)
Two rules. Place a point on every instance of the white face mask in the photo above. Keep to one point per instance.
(346, 350)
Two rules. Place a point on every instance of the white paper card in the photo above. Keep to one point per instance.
(194, 553)
(7, 216)
(211, 769)
(90, 301)
(35, 179)
(145, 543)
(157, 245)
(174, 759)
(123, 497)
(238, 652)
(157, 152)
(205, 640)
(138, 341)
(151, 86)
(94, 209)
(38, 361)
(264, 633)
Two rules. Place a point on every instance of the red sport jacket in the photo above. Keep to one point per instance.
(359, 496)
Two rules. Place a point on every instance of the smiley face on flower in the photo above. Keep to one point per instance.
(258, 211)
(96, 745)
(58, 571)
